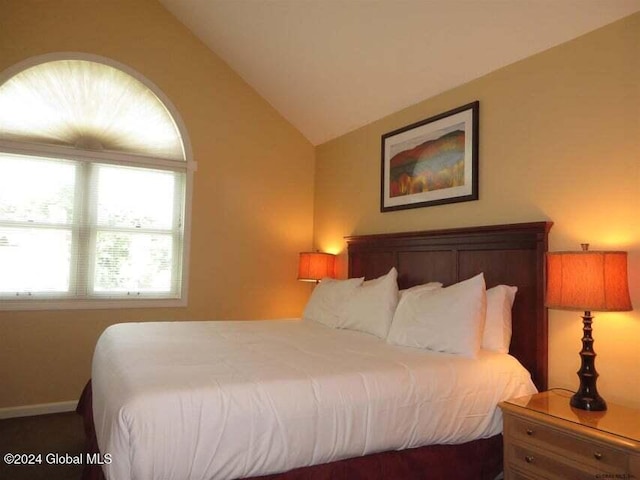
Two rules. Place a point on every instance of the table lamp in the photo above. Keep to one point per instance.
(314, 266)
(585, 281)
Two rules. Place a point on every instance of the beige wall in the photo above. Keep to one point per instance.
(559, 140)
(253, 201)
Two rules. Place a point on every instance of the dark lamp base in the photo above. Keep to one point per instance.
(587, 397)
(592, 403)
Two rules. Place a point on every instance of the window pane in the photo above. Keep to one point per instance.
(34, 260)
(135, 197)
(36, 190)
(133, 262)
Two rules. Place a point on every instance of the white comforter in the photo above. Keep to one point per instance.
(220, 400)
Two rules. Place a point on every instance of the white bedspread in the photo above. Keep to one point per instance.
(221, 400)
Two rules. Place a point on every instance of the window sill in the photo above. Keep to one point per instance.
(94, 304)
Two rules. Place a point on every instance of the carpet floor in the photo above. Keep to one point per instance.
(51, 442)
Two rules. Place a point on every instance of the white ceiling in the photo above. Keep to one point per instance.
(331, 66)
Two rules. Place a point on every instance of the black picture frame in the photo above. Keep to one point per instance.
(431, 162)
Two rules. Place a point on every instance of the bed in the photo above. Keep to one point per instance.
(132, 422)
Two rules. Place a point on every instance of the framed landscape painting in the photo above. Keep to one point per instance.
(431, 162)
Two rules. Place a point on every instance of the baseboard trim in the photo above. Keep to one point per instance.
(40, 409)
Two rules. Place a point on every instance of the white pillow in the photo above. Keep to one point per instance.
(447, 320)
(370, 309)
(328, 300)
(420, 288)
(497, 328)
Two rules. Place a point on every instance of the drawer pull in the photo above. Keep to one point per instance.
(528, 459)
(597, 455)
(529, 432)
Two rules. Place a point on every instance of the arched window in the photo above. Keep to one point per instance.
(94, 180)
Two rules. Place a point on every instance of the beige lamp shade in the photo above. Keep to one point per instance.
(314, 266)
(588, 280)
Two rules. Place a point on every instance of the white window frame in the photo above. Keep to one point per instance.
(187, 166)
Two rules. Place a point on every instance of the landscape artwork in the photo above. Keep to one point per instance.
(432, 162)
(431, 165)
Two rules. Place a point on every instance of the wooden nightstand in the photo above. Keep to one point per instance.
(545, 438)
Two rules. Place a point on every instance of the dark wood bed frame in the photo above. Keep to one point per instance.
(506, 254)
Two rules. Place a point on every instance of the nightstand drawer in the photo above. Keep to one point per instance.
(539, 464)
(515, 475)
(581, 450)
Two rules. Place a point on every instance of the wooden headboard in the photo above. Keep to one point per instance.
(506, 254)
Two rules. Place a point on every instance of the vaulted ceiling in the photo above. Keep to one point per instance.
(331, 66)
